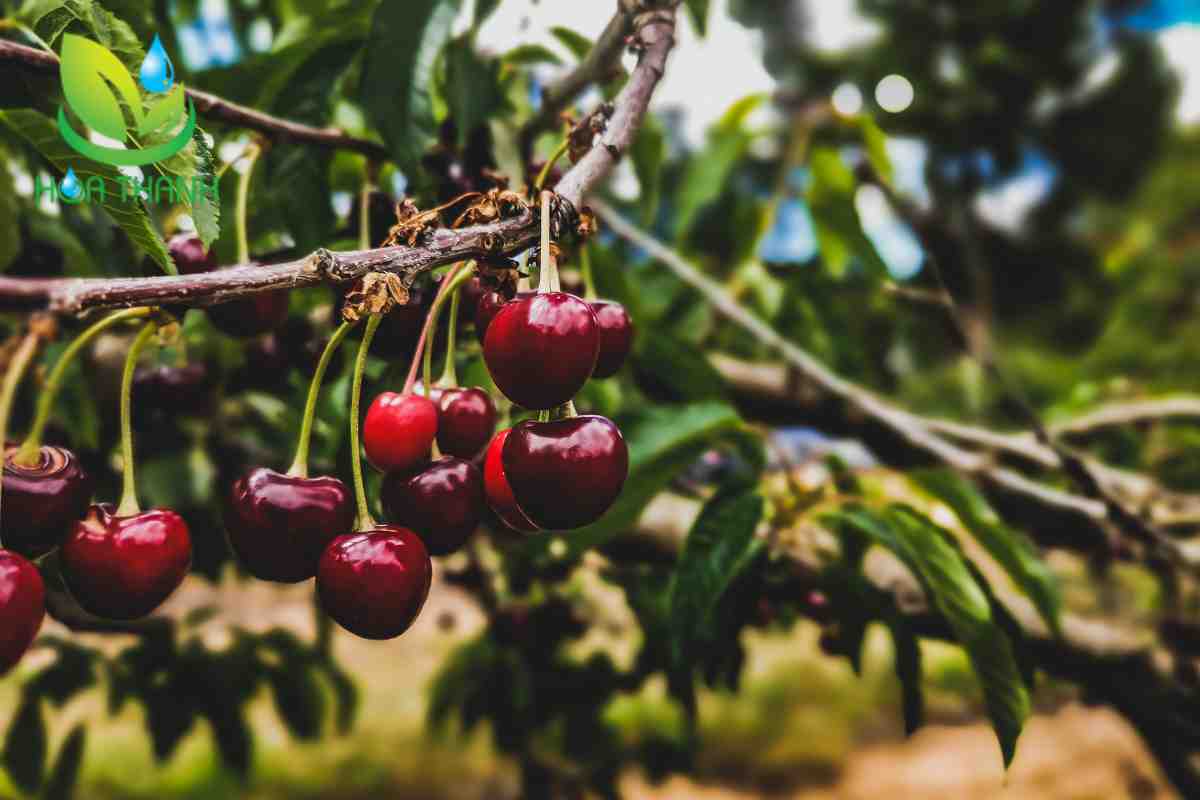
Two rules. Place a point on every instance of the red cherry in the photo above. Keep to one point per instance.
(466, 420)
(616, 337)
(189, 254)
(22, 607)
(125, 567)
(374, 584)
(497, 489)
(43, 502)
(486, 309)
(279, 525)
(399, 431)
(542, 349)
(442, 502)
(566, 474)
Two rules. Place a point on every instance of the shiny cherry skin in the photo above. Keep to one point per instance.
(374, 583)
(279, 525)
(565, 474)
(616, 337)
(488, 305)
(189, 254)
(542, 349)
(466, 421)
(442, 502)
(497, 489)
(125, 567)
(44, 501)
(398, 431)
(22, 607)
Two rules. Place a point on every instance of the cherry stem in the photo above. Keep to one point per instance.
(585, 267)
(243, 198)
(364, 216)
(454, 278)
(12, 379)
(548, 268)
(129, 502)
(449, 378)
(365, 520)
(28, 454)
(549, 165)
(299, 468)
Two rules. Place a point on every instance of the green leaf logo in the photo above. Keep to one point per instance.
(100, 90)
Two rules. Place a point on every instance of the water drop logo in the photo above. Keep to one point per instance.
(157, 73)
(102, 93)
(70, 185)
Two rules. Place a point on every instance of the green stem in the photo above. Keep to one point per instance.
(28, 455)
(549, 165)
(457, 275)
(129, 502)
(585, 267)
(12, 379)
(299, 468)
(449, 377)
(548, 268)
(365, 521)
(364, 217)
(243, 198)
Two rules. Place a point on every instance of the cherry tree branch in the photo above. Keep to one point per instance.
(655, 35)
(218, 108)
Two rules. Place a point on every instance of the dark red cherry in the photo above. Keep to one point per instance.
(173, 390)
(255, 315)
(279, 525)
(399, 431)
(497, 489)
(44, 501)
(541, 350)
(488, 306)
(616, 337)
(22, 607)
(374, 583)
(442, 502)
(466, 420)
(190, 255)
(125, 567)
(566, 474)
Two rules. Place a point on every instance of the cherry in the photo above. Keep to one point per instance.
(616, 337)
(124, 567)
(565, 474)
(279, 525)
(173, 390)
(488, 306)
(466, 420)
(42, 502)
(541, 349)
(259, 314)
(497, 489)
(189, 254)
(442, 502)
(399, 431)
(22, 607)
(374, 583)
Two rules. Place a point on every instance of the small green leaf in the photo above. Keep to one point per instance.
(908, 670)
(10, 212)
(875, 142)
(577, 43)
(345, 693)
(699, 12)
(298, 699)
(531, 54)
(398, 73)
(835, 217)
(169, 716)
(675, 368)
(25, 745)
(472, 87)
(64, 776)
(1012, 551)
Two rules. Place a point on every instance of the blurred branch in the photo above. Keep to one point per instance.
(1118, 414)
(221, 109)
(655, 37)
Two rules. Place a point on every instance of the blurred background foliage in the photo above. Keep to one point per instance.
(1042, 156)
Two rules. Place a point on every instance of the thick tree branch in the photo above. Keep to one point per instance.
(218, 108)
(441, 246)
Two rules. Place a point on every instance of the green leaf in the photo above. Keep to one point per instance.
(908, 670)
(648, 154)
(471, 87)
(875, 142)
(131, 215)
(25, 745)
(51, 18)
(483, 10)
(835, 218)
(662, 441)
(531, 54)
(345, 693)
(1015, 553)
(169, 716)
(232, 736)
(577, 43)
(676, 367)
(64, 776)
(398, 72)
(10, 212)
(298, 699)
(699, 12)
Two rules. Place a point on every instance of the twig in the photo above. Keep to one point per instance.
(218, 108)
